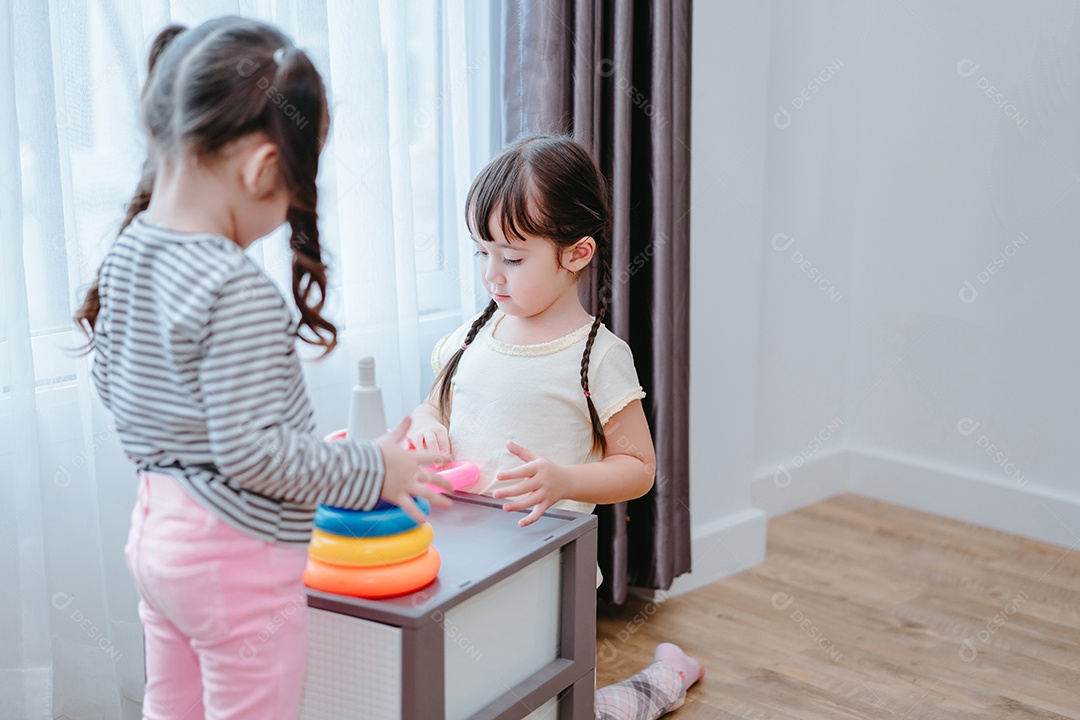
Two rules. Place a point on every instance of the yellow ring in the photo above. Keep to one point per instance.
(370, 551)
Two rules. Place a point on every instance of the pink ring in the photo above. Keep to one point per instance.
(460, 474)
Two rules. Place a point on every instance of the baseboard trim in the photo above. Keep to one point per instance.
(721, 548)
(736, 542)
(784, 488)
(1028, 510)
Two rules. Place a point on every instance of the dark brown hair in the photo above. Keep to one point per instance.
(542, 186)
(217, 83)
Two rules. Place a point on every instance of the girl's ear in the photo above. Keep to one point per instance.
(260, 171)
(577, 257)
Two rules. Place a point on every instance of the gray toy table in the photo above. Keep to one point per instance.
(507, 631)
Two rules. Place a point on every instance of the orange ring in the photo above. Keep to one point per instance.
(368, 551)
(374, 582)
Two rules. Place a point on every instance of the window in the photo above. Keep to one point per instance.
(81, 148)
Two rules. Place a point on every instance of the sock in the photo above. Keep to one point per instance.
(689, 668)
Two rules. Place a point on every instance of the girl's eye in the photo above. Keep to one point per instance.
(477, 253)
(508, 261)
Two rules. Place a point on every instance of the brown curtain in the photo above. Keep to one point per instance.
(615, 74)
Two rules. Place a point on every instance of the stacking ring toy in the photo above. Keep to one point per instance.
(459, 474)
(374, 582)
(385, 519)
(365, 552)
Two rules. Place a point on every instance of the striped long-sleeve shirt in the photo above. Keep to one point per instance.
(195, 357)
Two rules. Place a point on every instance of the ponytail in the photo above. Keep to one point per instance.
(299, 144)
(162, 41)
(87, 314)
(221, 81)
(309, 274)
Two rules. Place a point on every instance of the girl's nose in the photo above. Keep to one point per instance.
(492, 274)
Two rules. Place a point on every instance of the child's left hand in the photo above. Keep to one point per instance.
(543, 483)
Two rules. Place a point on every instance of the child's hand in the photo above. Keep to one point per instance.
(543, 483)
(427, 433)
(405, 473)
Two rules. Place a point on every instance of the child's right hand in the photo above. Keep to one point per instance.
(427, 433)
(406, 474)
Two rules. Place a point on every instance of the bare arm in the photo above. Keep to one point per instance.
(625, 473)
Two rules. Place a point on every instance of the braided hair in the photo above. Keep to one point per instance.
(541, 186)
(220, 81)
(86, 315)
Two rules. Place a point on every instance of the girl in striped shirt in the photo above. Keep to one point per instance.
(195, 358)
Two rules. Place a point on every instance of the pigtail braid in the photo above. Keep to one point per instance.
(308, 277)
(297, 126)
(599, 439)
(87, 314)
(443, 382)
(549, 187)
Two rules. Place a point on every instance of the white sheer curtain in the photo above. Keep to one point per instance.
(410, 87)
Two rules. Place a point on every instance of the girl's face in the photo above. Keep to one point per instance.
(526, 278)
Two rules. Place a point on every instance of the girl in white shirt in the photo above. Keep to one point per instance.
(536, 391)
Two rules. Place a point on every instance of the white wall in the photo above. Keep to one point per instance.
(728, 151)
(806, 285)
(954, 181)
(886, 178)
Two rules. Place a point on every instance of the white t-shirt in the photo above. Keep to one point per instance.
(532, 394)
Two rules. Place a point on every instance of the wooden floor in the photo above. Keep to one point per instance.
(864, 609)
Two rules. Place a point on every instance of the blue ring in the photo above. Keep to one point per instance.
(385, 519)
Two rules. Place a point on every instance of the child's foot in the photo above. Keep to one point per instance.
(689, 669)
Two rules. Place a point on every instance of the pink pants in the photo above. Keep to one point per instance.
(223, 613)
